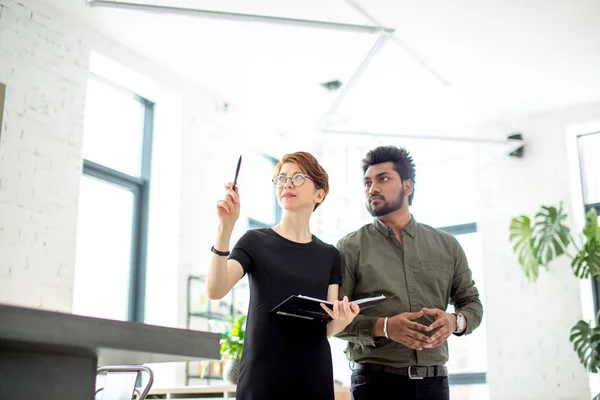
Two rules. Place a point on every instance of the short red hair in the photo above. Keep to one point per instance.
(310, 166)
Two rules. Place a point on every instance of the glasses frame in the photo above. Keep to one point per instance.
(274, 180)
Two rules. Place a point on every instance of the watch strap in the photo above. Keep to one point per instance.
(219, 253)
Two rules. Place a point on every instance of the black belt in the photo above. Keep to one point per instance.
(413, 372)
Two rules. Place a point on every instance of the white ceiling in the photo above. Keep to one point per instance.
(500, 58)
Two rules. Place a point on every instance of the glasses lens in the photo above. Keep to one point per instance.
(298, 180)
(280, 180)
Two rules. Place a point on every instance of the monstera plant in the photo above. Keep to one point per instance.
(539, 241)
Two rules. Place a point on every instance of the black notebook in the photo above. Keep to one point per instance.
(309, 308)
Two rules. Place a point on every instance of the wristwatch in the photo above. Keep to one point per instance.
(460, 323)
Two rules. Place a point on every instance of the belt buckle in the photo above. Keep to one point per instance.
(416, 375)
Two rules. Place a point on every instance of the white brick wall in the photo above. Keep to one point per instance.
(44, 65)
(530, 356)
(44, 58)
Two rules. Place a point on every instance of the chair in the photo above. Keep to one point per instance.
(120, 382)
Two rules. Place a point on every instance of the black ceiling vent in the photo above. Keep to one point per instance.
(332, 85)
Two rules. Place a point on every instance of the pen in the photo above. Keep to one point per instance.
(237, 172)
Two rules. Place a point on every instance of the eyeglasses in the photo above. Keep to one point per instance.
(297, 180)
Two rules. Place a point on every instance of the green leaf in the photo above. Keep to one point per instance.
(596, 397)
(591, 230)
(586, 342)
(521, 236)
(232, 341)
(550, 235)
(587, 261)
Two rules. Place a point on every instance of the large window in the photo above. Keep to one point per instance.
(113, 203)
(589, 149)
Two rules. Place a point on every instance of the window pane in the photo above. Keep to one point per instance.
(256, 173)
(113, 128)
(469, 353)
(103, 264)
(589, 148)
(469, 392)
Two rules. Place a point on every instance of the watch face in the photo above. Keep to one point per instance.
(458, 323)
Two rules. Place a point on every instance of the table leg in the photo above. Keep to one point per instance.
(37, 375)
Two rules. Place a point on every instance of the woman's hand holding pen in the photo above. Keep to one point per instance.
(224, 273)
(228, 208)
(343, 311)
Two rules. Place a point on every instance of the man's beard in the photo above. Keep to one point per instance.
(387, 207)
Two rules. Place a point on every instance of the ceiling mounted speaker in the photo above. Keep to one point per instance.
(518, 152)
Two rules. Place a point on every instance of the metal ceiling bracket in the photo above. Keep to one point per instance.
(402, 44)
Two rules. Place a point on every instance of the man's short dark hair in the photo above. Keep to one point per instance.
(403, 163)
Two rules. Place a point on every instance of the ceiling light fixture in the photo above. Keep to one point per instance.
(231, 16)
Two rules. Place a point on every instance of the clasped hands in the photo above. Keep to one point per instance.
(402, 329)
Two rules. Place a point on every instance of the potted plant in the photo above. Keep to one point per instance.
(538, 242)
(232, 343)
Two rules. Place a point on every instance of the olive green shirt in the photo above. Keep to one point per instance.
(428, 269)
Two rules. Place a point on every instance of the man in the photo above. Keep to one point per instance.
(399, 345)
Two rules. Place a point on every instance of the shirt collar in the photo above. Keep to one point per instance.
(411, 228)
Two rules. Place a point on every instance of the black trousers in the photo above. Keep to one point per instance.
(374, 385)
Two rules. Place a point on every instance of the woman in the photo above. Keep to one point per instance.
(283, 357)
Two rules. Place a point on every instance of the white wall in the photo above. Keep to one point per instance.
(44, 65)
(208, 161)
(530, 356)
(44, 60)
